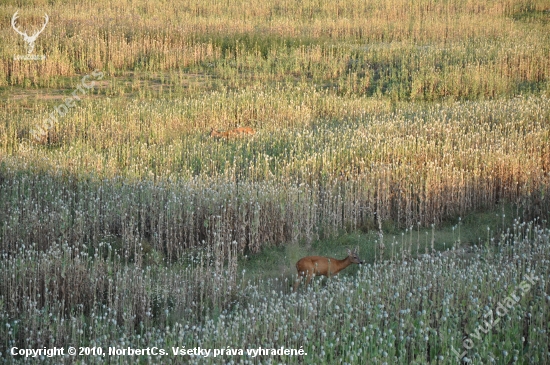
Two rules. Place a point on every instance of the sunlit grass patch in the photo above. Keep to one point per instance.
(415, 131)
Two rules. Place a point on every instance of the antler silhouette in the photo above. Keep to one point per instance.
(29, 39)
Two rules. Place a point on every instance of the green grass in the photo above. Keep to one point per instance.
(479, 229)
(398, 127)
(342, 318)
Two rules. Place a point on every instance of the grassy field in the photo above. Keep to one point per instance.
(416, 131)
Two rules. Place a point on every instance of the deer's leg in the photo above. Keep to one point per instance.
(297, 282)
(309, 277)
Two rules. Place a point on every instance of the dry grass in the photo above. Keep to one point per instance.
(124, 221)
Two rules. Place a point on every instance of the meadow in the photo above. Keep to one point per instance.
(418, 131)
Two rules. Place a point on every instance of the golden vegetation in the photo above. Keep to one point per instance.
(403, 113)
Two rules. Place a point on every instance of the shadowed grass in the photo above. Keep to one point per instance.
(481, 229)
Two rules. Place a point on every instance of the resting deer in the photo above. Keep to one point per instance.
(232, 132)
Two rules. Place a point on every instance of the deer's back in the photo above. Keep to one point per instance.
(315, 264)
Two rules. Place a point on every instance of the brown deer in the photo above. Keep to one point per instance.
(311, 266)
(232, 132)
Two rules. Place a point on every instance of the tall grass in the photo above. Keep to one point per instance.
(424, 50)
(124, 225)
(153, 176)
(391, 312)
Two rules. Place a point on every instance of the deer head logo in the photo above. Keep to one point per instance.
(29, 39)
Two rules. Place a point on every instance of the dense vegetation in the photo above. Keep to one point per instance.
(123, 223)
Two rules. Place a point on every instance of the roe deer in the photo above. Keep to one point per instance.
(310, 266)
(232, 132)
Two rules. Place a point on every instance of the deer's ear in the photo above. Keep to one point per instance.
(349, 251)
